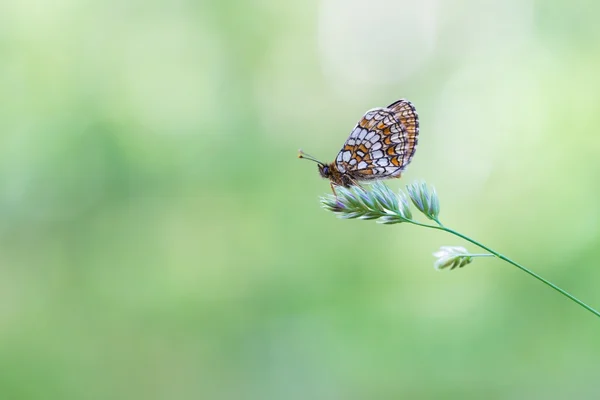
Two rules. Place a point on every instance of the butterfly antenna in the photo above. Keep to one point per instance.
(302, 154)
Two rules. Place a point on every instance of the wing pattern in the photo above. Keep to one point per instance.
(382, 144)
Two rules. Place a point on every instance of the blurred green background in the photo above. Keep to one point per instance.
(159, 239)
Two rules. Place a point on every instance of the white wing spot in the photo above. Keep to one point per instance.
(374, 139)
(376, 146)
(377, 154)
(362, 134)
(341, 168)
(383, 162)
(371, 113)
(352, 162)
(395, 129)
(392, 171)
(369, 135)
(346, 156)
(362, 165)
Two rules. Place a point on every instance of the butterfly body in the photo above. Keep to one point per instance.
(336, 177)
(380, 146)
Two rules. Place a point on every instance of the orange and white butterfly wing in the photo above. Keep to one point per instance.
(382, 144)
(405, 112)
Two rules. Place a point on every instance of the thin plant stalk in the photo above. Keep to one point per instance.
(516, 264)
(386, 207)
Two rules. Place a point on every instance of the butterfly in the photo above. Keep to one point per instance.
(380, 146)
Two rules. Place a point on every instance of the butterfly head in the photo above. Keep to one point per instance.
(325, 171)
(328, 171)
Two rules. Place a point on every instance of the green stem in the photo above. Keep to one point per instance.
(516, 264)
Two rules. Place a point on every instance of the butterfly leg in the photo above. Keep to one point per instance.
(347, 183)
(333, 185)
(353, 182)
